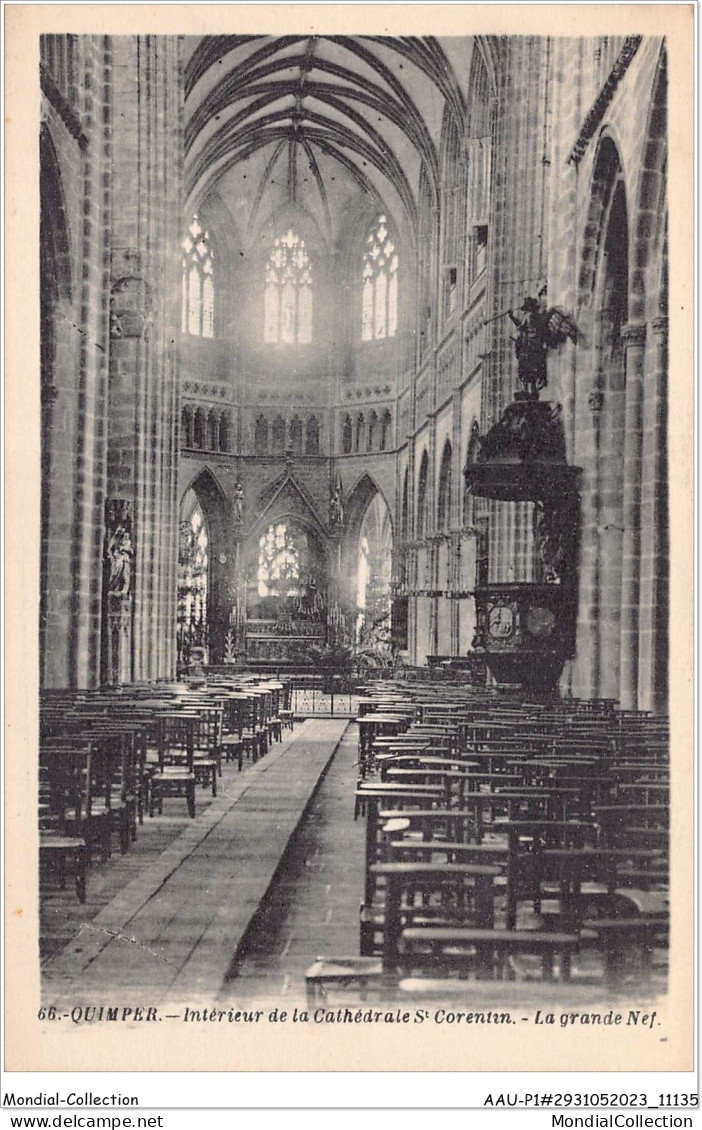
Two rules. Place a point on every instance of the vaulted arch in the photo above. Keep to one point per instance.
(324, 107)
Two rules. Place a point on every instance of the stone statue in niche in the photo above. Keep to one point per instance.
(119, 555)
(538, 330)
(131, 299)
(336, 506)
(118, 590)
(238, 504)
(119, 548)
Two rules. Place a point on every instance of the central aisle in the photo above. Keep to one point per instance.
(313, 904)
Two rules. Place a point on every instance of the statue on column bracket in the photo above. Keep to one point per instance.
(336, 507)
(118, 589)
(539, 330)
(119, 555)
(238, 505)
(131, 299)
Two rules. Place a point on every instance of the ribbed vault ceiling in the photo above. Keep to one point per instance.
(313, 120)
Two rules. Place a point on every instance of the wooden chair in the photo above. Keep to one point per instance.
(444, 949)
(62, 843)
(285, 711)
(625, 939)
(430, 893)
(234, 706)
(115, 753)
(207, 759)
(175, 773)
(342, 972)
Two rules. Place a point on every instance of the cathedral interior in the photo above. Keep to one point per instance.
(354, 427)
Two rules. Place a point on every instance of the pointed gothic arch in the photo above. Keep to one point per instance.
(445, 491)
(203, 529)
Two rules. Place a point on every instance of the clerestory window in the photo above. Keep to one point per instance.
(198, 282)
(379, 286)
(288, 293)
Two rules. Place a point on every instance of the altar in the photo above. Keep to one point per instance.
(283, 639)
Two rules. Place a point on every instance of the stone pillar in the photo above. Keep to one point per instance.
(586, 674)
(75, 200)
(455, 519)
(235, 638)
(455, 587)
(338, 629)
(433, 579)
(145, 294)
(654, 595)
(634, 336)
(410, 555)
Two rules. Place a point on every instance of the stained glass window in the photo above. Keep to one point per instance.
(312, 436)
(278, 562)
(287, 310)
(193, 560)
(261, 436)
(379, 284)
(296, 435)
(198, 282)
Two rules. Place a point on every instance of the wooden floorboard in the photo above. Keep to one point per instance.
(176, 927)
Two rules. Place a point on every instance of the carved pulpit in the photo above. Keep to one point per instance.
(526, 630)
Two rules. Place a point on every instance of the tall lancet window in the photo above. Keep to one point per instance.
(198, 282)
(193, 556)
(288, 297)
(379, 287)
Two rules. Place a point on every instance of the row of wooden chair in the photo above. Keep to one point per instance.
(108, 757)
(498, 829)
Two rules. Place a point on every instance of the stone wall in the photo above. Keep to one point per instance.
(551, 182)
(116, 179)
(77, 207)
(609, 161)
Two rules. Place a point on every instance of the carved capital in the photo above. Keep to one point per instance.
(130, 295)
(634, 334)
(125, 261)
(660, 326)
(127, 324)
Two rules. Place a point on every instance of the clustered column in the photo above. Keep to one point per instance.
(144, 295)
